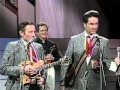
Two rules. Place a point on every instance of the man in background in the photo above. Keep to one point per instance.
(51, 52)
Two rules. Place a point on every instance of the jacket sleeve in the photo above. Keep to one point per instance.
(8, 59)
(64, 67)
(105, 52)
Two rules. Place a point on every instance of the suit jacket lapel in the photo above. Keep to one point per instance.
(23, 50)
(82, 42)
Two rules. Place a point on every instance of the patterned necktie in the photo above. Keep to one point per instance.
(89, 45)
(32, 53)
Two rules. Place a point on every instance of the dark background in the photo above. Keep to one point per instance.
(111, 9)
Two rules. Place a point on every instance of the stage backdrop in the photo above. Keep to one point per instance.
(64, 17)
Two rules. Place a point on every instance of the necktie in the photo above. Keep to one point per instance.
(89, 45)
(32, 53)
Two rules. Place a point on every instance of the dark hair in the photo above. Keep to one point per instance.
(21, 26)
(41, 24)
(91, 13)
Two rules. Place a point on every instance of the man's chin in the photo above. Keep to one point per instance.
(93, 33)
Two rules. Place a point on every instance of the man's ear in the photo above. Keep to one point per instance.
(21, 33)
(84, 24)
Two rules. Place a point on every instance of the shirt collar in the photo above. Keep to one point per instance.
(93, 35)
(86, 34)
(25, 43)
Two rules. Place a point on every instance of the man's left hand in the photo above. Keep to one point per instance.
(49, 58)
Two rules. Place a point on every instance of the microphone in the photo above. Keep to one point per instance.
(118, 52)
(96, 36)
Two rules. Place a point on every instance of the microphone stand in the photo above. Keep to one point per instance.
(118, 68)
(102, 74)
(118, 76)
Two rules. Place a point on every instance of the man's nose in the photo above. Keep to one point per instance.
(34, 35)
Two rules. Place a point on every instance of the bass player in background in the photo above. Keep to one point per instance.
(16, 57)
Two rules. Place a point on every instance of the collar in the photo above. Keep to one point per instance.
(25, 43)
(93, 35)
(86, 34)
(43, 41)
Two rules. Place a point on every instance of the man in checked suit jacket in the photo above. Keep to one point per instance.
(15, 53)
(88, 77)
